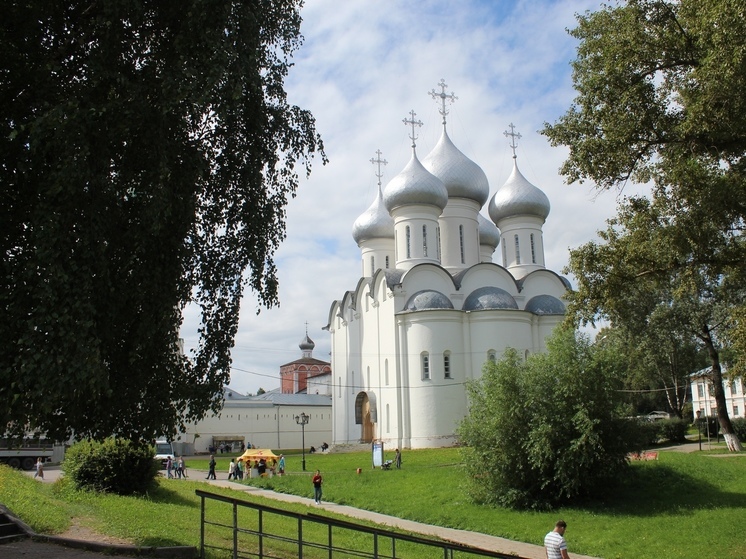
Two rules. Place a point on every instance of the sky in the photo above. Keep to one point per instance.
(363, 66)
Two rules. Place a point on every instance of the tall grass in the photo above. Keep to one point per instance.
(683, 505)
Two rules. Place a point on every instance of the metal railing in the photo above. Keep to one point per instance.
(313, 535)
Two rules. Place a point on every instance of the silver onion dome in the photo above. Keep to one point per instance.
(306, 343)
(415, 185)
(518, 197)
(489, 234)
(461, 176)
(373, 223)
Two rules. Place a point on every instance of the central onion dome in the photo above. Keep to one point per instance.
(415, 185)
(518, 197)
(461, 176)
(373, 223)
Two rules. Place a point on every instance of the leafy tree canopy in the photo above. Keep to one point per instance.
(661, 99)
(147, 153)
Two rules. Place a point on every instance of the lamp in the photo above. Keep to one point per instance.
(302, 420)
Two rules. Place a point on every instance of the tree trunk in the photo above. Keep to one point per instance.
(731, 439)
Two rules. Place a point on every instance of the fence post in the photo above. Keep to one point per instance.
(235, 530)
(202, 528)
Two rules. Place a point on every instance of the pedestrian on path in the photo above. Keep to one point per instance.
(317, 481)
(282, 464)
(169, 467)
(397, 459)
(232, 469)
(211, 471)
(39, 469)
(554, 542)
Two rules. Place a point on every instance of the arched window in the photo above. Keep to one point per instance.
(492, 356)
(409, 239)
(368, 379)
(352, 382)
(425, 366)
(424, 240)
(387, 262)
(447, 364)
(372, 265)
(388, 419)
(461, 241)
(533, 250)
(505, 252)
(386, 371)
(517, 250)
(437, 239)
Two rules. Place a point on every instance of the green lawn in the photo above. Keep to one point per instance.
(680, 506)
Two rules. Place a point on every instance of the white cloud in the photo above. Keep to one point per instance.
(363, 66)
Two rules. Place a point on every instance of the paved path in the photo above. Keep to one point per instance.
(484, 541)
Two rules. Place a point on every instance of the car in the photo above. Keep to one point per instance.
(658, 415)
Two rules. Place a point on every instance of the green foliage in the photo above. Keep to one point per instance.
(674, 430)
(549, 430)
(739, 426)
(147, 153)
(113, 466)
(645, 432)
(661, 98)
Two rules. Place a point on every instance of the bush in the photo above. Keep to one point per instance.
(673, 430)
(546, 431)
(112, 466)
(644, 433)
(739, 426)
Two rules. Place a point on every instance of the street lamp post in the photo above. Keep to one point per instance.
(302, 420)
(699, 428)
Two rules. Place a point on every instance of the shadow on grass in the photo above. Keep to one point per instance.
(662, 489)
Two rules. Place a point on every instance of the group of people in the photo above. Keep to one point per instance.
(176, 468)
(235, 469)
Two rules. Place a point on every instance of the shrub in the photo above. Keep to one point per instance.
(546, 431)
(113, 466)
(739, 426)
(673, 430)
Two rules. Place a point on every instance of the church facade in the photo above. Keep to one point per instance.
(431, 306)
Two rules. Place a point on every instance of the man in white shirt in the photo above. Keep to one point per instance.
(554, 542)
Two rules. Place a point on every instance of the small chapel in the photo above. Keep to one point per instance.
(443, 290)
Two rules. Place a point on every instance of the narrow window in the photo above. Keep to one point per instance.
(533, 250)
(352, 382)
(386, 371)
(409, 253)
(388, 419)
(424, 240)
(461, 241)
(387, 262)
(396, 245)
(425, 366)
(372, 265)
(437, 235)
(447, 364)
(505, 253)
(517, 251)
(735, 410)
(368, 373)
(491, 356)
(339, 388)
(701, 389)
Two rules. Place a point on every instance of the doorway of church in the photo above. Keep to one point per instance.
(368, 429)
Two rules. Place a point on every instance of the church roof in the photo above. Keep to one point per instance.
(278, 398)
(545, 305)
(415, 185)
(306, 361)
(374, 223)
(518, 197)
(489, 234)
(461, 176)
(489, 297)
(427, 300)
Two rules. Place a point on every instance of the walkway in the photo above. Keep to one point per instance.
(484, 541)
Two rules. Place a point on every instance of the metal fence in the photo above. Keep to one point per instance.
(261, 531)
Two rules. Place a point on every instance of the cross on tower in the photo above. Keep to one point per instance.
(443, 96)
(379, 162)
(412, 122)
(513, 135)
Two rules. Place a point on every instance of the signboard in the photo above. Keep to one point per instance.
(377, 447)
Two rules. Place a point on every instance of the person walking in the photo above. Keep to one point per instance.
(397, 459)
(169, 467)
(554, 542)
(317, 481)
(281, 465)
(211, 471)
(232, 469)
(39, 468)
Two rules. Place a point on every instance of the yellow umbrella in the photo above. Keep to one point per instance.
(257, 454)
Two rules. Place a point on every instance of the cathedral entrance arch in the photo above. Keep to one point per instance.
(366, 415)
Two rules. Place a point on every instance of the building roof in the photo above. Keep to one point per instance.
(276, 397)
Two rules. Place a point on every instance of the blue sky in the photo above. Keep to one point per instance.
(363, 66)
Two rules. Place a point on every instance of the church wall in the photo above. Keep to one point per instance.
(543, 282)
(524, 227)
(436, 404)
(459, 211)
(487, 274)
(378, 250)
(497, 330)
(415, 217)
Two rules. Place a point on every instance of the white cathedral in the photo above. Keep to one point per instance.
(431, 306)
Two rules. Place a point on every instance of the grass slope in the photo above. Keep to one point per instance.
(683, 505)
